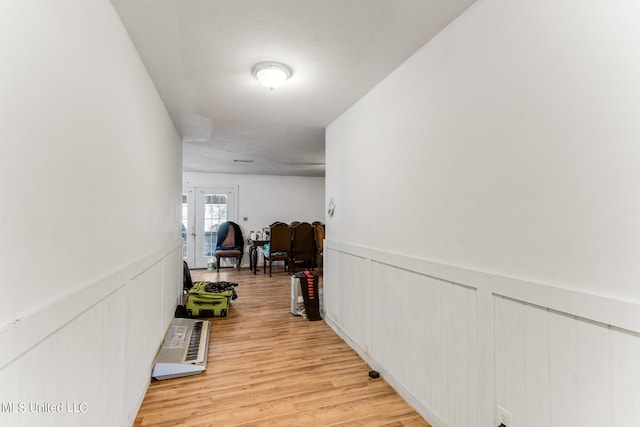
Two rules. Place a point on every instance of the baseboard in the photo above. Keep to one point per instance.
(429, 416)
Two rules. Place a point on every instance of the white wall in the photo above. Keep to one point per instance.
(501, 158)
(264, 199)
(90, 262)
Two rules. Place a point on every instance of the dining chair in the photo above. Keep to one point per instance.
(303, 246)
(279, 247)
(230, 244)
(319, 235)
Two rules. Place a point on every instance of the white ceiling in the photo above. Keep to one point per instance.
(200, 53)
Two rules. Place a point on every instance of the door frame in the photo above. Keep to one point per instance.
(195, 218)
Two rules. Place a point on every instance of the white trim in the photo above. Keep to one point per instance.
(617, 313)
(19, 336)
(405, 393)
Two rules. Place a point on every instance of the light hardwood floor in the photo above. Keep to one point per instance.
(268, 368)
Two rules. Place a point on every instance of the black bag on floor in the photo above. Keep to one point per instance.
(186, 277)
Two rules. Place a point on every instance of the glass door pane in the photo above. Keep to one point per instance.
(215, 213)
(185, 225)
(188, 226)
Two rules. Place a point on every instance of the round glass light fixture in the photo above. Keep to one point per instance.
(271, 74)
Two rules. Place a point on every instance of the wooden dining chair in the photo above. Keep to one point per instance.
(279, 247)
(319, 234)
(303, 246)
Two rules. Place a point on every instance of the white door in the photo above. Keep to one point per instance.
(203, 210)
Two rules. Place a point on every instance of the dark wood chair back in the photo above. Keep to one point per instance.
(318, 227)
(303, 246)
(279, 246)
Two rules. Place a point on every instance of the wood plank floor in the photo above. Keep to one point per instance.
(268, 368)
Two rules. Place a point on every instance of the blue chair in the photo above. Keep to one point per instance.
(230, 243)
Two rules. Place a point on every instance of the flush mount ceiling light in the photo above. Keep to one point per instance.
(271, 74)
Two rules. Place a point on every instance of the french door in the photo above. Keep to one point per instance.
(203, 210)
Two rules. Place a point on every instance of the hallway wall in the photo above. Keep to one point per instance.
(486, 197)
(90, 265)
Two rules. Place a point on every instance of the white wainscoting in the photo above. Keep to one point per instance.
(91, 353)
(418, 331)
(455, 343)
(554, 369)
